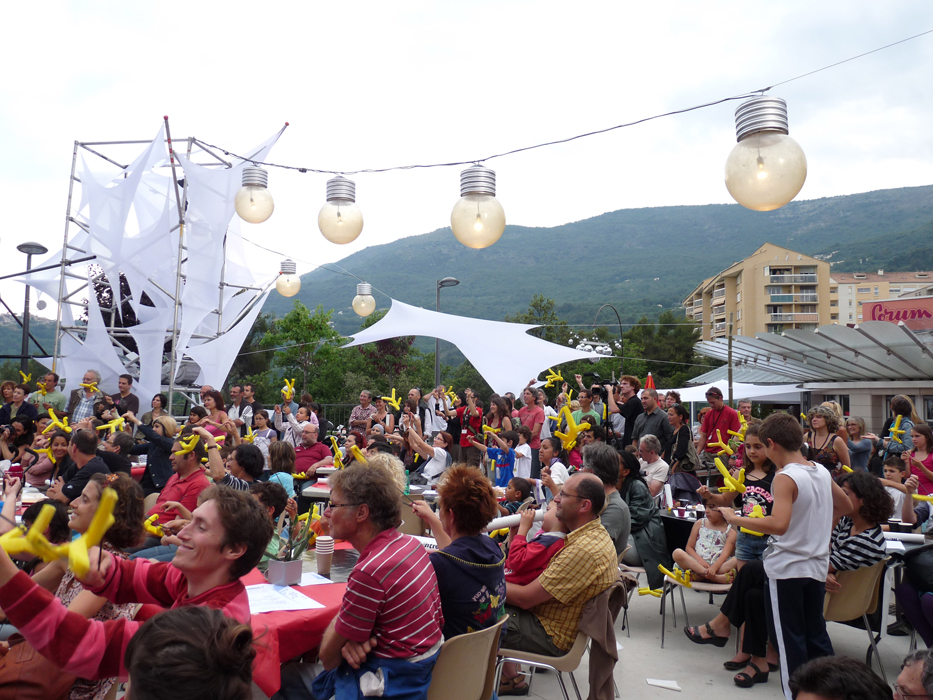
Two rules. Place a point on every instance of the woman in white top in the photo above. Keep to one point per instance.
(436, 454)
(806, 503)
(295, 423)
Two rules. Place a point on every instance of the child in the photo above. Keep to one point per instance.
(806, 503)
(759, 475)
(282, 462)
(553, 472)
(523, 453)
(515, 494)
(709, 549)
(264, 435)
(528, 558)
(503, 456)
(895, 471)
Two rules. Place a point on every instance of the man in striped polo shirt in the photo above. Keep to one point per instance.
(387, 634)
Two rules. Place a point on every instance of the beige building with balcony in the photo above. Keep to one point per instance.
(776, 289)
(772, 290)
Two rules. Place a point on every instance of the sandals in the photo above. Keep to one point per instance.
(714, 639)
(744, 680)
(509, 686)
(737, 665)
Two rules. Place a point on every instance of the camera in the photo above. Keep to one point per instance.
(600, 385)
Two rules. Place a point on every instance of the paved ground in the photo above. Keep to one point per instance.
(697, 669)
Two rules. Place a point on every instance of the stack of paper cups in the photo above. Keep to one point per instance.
(324, 551)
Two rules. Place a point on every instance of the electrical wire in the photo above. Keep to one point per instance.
(684, 110)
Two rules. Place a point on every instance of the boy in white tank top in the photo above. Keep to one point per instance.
(806, 503)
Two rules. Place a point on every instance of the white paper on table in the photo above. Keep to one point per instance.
(264, 597)
(669, 685)
(309, 578)
(427, 542)
(894, 546)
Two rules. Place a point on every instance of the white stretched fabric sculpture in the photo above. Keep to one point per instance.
(503, 353)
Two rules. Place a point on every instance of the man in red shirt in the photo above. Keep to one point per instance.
(311, 454)
(390, 621)
(186, 484)
(721, 417)
(471, 421)
(226, 539)
(532, 415)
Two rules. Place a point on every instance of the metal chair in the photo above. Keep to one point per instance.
(698, 586)
(858, 597)
(455, 673)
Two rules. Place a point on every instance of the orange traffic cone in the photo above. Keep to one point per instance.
(649, 382)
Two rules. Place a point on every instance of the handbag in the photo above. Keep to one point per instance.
(27, 675)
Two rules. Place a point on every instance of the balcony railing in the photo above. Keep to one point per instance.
(719, 310)
(698, 316)
(794, 298)
(795, 318)
(698, 302)
(719, 293)
(719, 328)
(793, 279)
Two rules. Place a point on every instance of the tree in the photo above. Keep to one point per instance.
(390, 357)
(542, 312)
(305, 344)
(667, 348)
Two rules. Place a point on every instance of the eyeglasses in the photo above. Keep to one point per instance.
(567, 495)
(898, 693)
(331, 505)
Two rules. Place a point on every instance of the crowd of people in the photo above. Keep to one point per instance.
(218, 484)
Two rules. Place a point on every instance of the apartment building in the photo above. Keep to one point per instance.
(776, 289)
(772, 290)
(858, 287)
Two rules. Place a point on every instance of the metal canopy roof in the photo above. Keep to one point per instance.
(867, 352)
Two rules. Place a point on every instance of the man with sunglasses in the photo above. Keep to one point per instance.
(545, 613)
(390, 621)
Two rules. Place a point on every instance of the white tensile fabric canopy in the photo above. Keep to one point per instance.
(780, 393)
(503, 353)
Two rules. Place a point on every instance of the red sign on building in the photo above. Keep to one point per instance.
(915, 312)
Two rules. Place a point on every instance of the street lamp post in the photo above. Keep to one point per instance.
(621, 339)
(29, 249)
(446, 282)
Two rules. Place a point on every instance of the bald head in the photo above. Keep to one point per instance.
(581, 500)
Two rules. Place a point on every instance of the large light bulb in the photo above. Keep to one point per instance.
(767, 168)
(253, 201)
(288, 284)
(363, 302)
(340, 220)
(477, 219)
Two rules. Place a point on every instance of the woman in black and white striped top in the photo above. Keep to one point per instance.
(857, 539)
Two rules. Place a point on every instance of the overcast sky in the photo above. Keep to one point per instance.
(376, 84)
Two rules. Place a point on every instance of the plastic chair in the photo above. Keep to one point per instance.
(698, 586)
(455, 673)
(568, 663)
(624, 568)
(149, 502)
(858, 597)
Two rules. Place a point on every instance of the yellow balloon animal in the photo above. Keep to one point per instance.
(338, 458)
(569, 439)
(114, 425)
(187, 444)
(553, 378)
(47, 451)
(249, 437)
(757, 512)
(288, 390)
(33, 541)
(724, 446)
(740, 435)
(56, 423)
(358, 454)
(490, 429)
(896, 432)
(152, 526)
(26, 377)
(91, 386)
(394, 401)
(42, 390)
(450, 394)
(681, 577)
(656, 592)
(921, 497)
(733, 485)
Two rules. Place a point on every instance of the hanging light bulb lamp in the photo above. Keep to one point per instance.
(253, 201)
(477, 219)
(363, 302)
(288, 284)
(340, 220)
(767, 168)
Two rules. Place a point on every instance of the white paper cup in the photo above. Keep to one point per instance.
(324, 544)
(323, 562)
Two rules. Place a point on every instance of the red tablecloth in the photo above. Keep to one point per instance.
(281, 636)
(138, 472)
